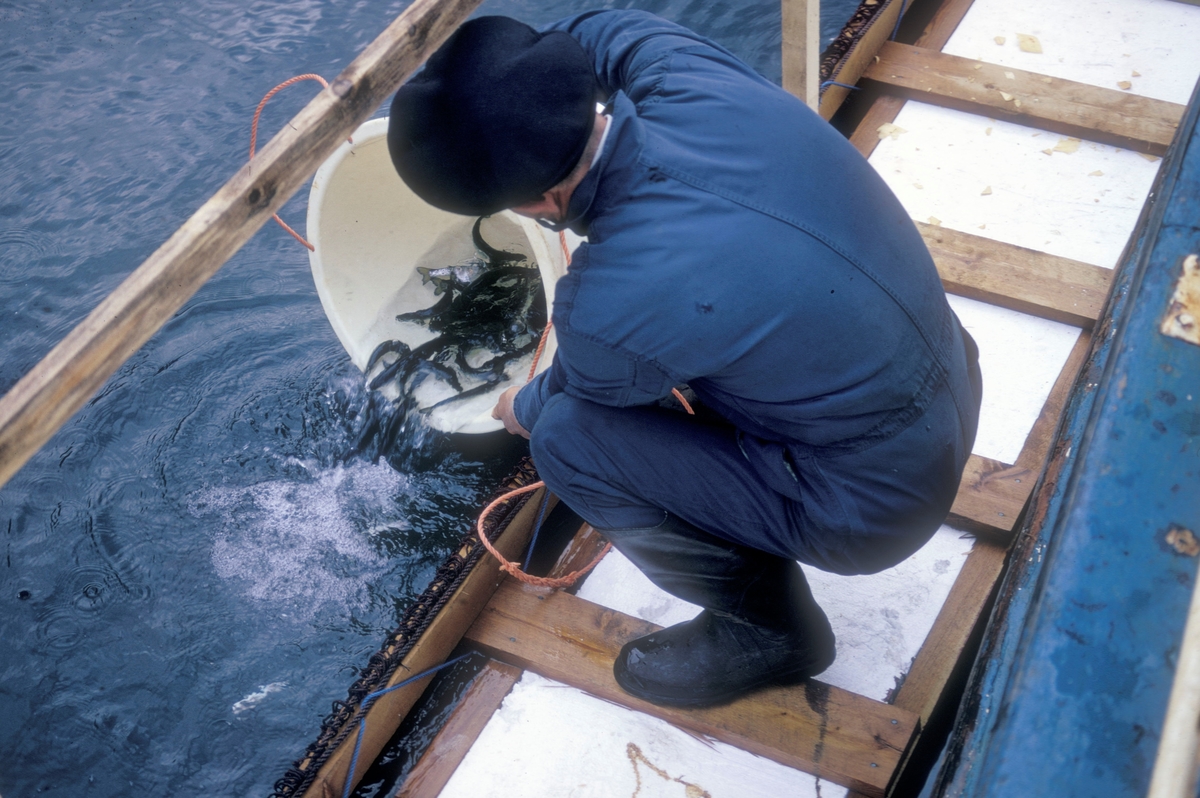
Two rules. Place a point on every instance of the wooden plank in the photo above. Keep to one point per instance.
(863, 51)
(584, 547)
(943, 23)
(1063, 106)
(991, 497)
(865, 137)
(466, 722)
(62, 382)
(939, 30)
(1036, 449)
(1032, 282)
(834, 734)
(433, 648)
(925, 685)
(454, 740)
(926, 680)
(802, 49)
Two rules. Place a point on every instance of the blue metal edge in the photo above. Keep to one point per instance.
(1068, 692)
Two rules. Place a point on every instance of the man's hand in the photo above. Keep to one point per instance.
(504, 411)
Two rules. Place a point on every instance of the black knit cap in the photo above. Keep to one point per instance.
(500, 114)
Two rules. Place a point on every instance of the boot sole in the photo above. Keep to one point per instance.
(693, 701)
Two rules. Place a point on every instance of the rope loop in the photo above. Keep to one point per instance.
(254, 138)
(514, 569)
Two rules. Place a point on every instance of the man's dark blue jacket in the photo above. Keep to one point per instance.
(737, 243)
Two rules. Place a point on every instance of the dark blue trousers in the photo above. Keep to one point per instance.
(852, 513)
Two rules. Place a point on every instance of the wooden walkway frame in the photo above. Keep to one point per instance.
(848, 738)
(1062, 106)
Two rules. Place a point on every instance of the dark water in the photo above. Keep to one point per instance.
(192, 568)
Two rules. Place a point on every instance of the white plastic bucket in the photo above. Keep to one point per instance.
(370, 233)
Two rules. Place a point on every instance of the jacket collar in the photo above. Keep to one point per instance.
(604, 184)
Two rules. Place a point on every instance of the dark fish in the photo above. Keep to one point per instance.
(499, 311)
(496, 257)
(398, 347)
(467, 394)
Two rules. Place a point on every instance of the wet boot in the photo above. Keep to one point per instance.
(760, 625)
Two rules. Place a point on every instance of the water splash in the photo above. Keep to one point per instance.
(300, 544)
(257, 697)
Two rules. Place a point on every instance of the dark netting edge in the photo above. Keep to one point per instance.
(341, 721)
(839, 49)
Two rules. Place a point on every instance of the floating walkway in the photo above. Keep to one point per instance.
(1024, 137)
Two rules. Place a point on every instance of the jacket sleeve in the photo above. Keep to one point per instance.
(627, 46)
(593, 372)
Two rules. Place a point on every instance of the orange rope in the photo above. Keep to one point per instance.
(513, 568)
(254, 138)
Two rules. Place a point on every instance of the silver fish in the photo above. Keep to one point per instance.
(458, 275)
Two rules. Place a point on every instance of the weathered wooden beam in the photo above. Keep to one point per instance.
(925, 685)
(433, 648)
(65, 379)
(991, 497)
(1063, 106)
(834, 734)
(884, 109)
(1036, 451)
(926, 681)
(802, 50)
(944, 22)
(1032, 282)
(854, 63)
(435, 767)
(469, 718)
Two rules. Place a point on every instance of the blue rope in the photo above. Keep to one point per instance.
(896, 29)
(370, 699)
(829, 83)
(537, 527)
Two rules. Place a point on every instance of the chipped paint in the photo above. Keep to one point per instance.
(1182, 319)
(1183, 541)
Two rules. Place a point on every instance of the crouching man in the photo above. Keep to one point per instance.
(736, 244)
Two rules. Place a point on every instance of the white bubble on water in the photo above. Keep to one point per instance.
(300, 543)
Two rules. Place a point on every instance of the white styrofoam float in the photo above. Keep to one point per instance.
(371, 233)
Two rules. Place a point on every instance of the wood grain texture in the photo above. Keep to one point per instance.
(1032, 282)
(943, 23)
(939, 30)
(837, 735)
(584, 547)
(66, 378)
(801, 21)
(454, 740)
(925, 683)
(862, 53)
(1063, 106)
(433, 648)
(884, 110)
(462, 728)
(1036, 450)
(991, 497)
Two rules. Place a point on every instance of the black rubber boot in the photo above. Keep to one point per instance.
(760, 626)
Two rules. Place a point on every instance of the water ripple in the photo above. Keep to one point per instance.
(19, 247)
